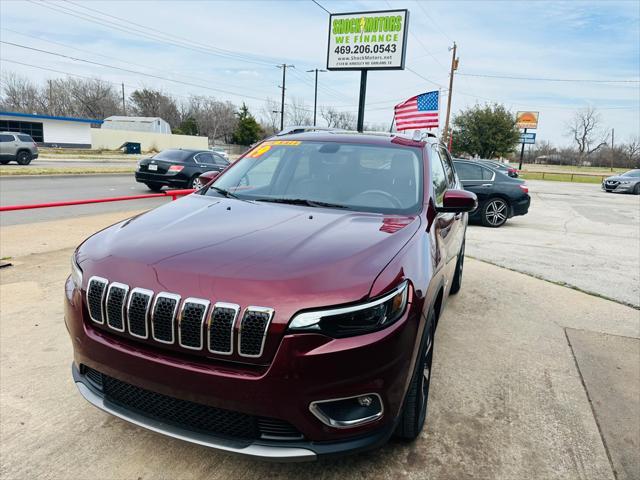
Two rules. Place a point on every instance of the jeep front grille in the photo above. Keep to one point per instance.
(163, 315)
(190, 324)
(115, 305)
(192, 316)
(95, 298)
(253, 331)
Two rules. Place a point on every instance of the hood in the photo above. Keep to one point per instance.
(618, 178)
(250, 253)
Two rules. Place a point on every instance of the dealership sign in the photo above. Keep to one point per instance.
(527, 119)
(367, 40)
(528, 137)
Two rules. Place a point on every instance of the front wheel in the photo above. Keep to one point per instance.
(414, 410)
(23, 158)
(636, 189)
(456, 283)
(495, 213)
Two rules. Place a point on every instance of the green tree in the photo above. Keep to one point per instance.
(488, 131)
(247, 131)
(188, 127)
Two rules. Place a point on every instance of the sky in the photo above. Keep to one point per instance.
(230, 49)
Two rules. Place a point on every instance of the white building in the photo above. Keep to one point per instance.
(50, 131)
(137, 124)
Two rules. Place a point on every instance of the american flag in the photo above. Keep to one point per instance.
(420, 111)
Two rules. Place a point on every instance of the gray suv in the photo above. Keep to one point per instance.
(17, 146)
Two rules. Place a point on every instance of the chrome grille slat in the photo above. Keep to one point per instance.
(253, 331)
(220, 327)
(190, 323)
(115, 305)
(96, 290)
(163, 315)
(138, 307)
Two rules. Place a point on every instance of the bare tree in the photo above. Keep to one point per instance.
(21, 95)
(214, 118)
(585, 128)
(297, 113)
(336, 119)
(631, 151)
(270, 116)
(154, 103)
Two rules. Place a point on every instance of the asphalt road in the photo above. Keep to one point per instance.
(43, 189)
(574, 234)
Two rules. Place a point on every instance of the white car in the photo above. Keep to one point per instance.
(221, 151)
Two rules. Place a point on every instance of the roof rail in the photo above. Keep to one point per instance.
(305, 128)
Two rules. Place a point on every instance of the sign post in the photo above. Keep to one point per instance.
(367, 41)
(526, 120)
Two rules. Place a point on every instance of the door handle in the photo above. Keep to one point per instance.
(486, 185)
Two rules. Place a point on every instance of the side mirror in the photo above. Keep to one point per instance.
(208, 177)
(458, 201)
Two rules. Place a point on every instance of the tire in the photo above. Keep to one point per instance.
(154, 187)
(636, 189)
(195, 183)
(23, 158)
(414, 410)
(456, 283)
(495, 212)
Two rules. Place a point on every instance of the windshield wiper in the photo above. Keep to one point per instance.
(224, 192)
(301, 201)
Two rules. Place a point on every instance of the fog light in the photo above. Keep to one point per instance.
(348, 412)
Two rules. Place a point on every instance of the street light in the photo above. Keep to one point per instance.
(315, 95)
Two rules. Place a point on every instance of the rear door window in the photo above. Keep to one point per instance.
(466, 171)
(487, 174)
(6, 138)
(204, 158)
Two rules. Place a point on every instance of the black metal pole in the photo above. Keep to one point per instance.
(363, 94)
(315, 100)
(284, 76)
(522, 151)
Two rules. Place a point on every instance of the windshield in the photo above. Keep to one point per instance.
(172, 155)
(327, 174)
(632, 173)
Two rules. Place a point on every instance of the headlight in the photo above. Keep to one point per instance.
(76, 271)
(625, 182)
(354, 320)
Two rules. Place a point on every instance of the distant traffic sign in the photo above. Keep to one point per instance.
(528, 137)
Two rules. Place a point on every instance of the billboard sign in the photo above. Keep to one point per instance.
(528, 137)
(367, 40)
(527, 119)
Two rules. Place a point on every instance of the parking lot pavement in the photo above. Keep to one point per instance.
(575, 234)
(507, 401)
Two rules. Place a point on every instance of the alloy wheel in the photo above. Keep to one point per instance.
(197, 183)
(496, 212)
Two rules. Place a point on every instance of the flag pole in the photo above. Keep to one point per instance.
(393, 120)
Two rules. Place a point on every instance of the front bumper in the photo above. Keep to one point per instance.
(618, 188)
(296, 451)
(306, 368)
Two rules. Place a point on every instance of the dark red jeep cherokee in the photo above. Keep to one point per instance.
(285, 311)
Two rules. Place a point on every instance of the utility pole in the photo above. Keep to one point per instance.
(284, 67)
(613, 132)
(124, 108)
(315, 95)
(51, 112)
(454, 67)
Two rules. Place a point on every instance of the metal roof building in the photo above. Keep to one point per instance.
(137, 124)
(50, 131)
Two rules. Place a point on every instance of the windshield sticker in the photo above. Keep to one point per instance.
(266, 146)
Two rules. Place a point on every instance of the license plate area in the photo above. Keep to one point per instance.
(153, 168)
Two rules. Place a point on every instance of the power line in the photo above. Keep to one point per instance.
(318, 4)
(435, 24)
(424, 78)
(130, 71)
(539, 79)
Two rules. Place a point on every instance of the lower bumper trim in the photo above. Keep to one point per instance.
(264, 452)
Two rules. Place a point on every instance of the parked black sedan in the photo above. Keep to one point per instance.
(499, 196)
(178, 168)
